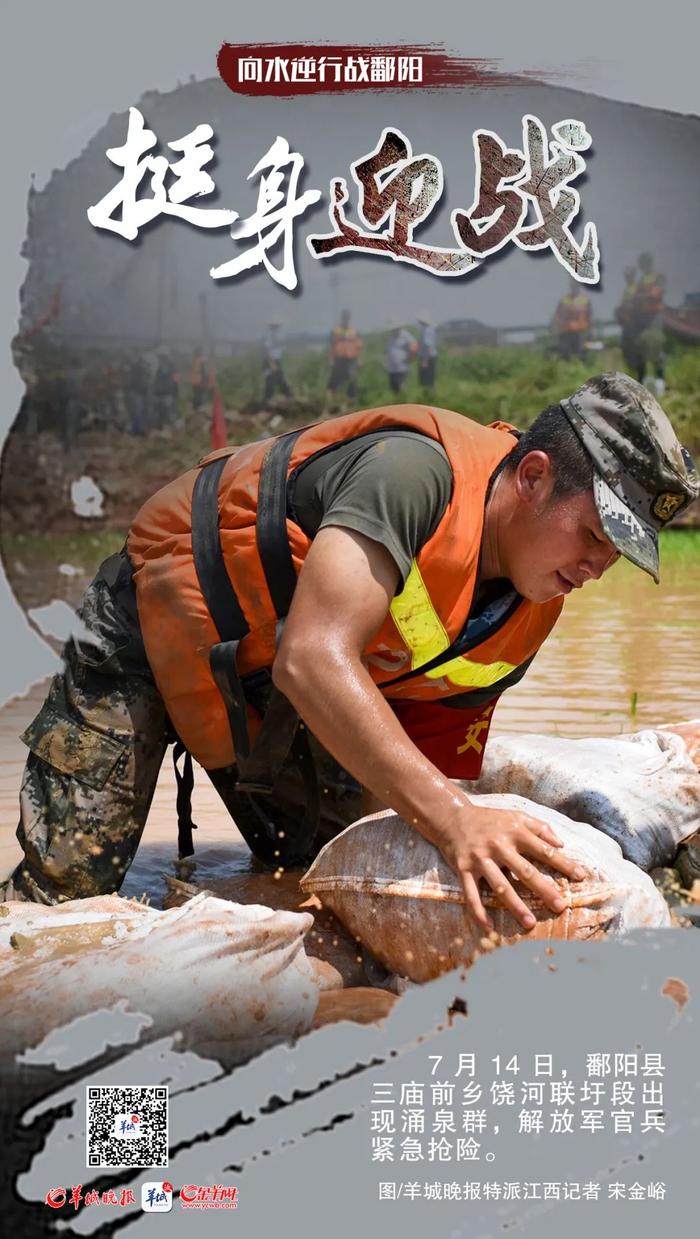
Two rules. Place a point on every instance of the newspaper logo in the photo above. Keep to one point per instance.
(128, 1126)
(208, 1196)
(157, 1197)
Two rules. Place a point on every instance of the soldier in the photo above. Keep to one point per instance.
(572, 321)
(626, 315)
(401, 347)
(165, 391)
(345, 351)
(649, 305)
(200, 380)
(273, 352)
(427, 353)
(136, 384)
(418, 559)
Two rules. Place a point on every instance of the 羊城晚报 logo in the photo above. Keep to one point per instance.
(157, 1197)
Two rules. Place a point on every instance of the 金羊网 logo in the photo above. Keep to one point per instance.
(208, 1196)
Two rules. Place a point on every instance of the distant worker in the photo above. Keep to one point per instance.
(200, 379)
(345, 350)
(626, 315)
(166, 388)
(273, 352)
(427, 353)
(68, 392)
(572, 321)
(401, 347)
(649, 305)
(136, 382)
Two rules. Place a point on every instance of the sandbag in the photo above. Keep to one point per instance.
(231, 978)
(45, 929)
(643, 790)
(689, 731)
(391, 888)
(359, 1005)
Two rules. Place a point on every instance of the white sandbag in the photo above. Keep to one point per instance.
(395, 893)
(642, 790)
(232, 978)
(40, 927)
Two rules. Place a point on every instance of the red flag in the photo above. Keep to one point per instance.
(219, 437)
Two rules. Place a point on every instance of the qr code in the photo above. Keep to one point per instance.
(127, 1126)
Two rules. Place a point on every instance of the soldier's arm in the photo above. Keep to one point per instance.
(343, 596)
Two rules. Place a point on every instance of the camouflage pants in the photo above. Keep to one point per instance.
(96, 747)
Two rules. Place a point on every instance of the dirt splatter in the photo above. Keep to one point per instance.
(312, 902)
(458, 1007)
(677, 990)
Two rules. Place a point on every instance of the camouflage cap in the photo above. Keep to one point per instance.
(643, 475)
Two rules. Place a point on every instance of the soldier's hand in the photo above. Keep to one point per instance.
(491, 844)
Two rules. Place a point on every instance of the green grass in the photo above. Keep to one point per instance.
(511, 382)
(48, 550)
(679, 546)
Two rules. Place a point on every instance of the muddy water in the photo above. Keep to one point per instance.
(625, 655)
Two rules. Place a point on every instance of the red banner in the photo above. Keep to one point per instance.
(316, 68)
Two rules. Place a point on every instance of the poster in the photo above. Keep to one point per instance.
(298, 1131)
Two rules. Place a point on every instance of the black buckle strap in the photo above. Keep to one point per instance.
(221, 599)
(272, 745)
(282, 732)
(271, 523)
(224, 668)
(214, 581)
(185, 784)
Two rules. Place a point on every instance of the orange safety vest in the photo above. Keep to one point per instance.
(346, 343)
(423, 622)
(573, 314)
(650, 295)
(199, 372)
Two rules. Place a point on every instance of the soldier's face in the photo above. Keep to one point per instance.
(559, 546)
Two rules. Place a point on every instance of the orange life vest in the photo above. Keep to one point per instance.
(346, 343)
(423, 622)
(650, 295)
(573, 314)
(199, 372)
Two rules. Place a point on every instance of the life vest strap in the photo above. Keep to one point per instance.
(271, 523)
(219, 594)
(185, 784)
(282, 735)
(224, 668)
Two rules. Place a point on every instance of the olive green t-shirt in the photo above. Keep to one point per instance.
(393, 486)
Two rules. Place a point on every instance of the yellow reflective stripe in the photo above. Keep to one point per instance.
(423, 632)
(471, 675)
(418, 621)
